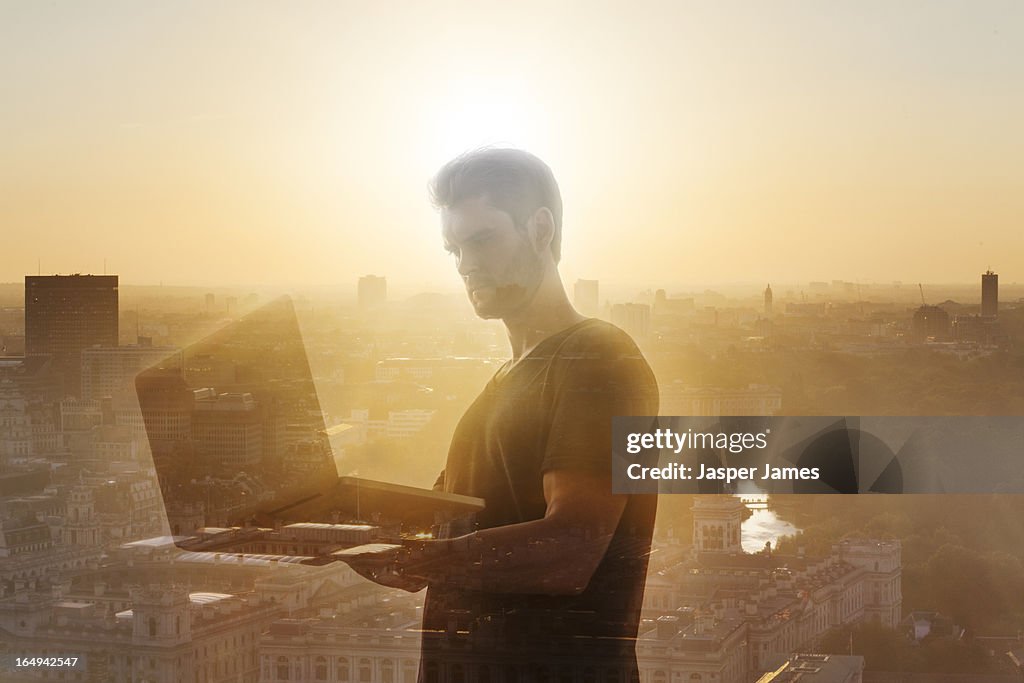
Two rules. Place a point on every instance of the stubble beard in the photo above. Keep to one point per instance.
(521, 282)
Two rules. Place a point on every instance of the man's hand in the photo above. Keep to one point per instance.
(386, 568)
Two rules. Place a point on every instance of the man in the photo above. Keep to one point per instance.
(546, 582)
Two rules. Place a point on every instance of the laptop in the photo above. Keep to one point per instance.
(246, 463)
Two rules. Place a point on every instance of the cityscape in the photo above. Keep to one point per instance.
(136, 420)
(313, 315)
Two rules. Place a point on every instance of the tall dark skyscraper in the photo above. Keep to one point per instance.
(990, 293)
(65, 314)
(768, 300)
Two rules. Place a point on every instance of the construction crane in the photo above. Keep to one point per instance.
(919, 286)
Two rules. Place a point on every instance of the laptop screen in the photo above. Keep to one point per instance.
(234, 423)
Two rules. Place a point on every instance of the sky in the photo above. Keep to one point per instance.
(259, 143)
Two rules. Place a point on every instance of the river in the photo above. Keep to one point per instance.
(763, 526)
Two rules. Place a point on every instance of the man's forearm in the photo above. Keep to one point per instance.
(541, 556)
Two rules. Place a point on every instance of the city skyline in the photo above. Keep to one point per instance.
(619, 291)
(89, 513)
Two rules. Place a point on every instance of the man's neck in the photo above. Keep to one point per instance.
(549, 313)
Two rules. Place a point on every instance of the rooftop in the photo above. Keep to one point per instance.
(814, 668)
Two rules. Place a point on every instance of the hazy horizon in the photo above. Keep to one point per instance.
(966, 293)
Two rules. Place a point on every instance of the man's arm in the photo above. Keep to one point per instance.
(554, 555)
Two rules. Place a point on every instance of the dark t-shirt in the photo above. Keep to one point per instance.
(551, 410)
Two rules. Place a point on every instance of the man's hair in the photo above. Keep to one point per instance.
(511, 180)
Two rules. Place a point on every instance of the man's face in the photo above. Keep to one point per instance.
(498, 265)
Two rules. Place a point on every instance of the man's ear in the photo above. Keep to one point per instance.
(541, 230)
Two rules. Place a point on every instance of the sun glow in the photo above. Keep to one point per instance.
(476, 113)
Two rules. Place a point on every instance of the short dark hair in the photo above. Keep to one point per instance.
(511, 180)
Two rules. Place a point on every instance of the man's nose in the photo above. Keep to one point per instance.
(465, 263)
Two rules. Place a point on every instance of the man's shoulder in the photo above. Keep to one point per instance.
(595, 338)
(599, 352)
